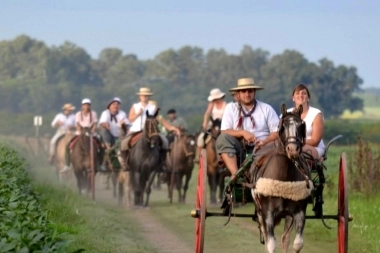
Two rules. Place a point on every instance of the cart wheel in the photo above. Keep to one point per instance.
(343, 206)
(200, 203)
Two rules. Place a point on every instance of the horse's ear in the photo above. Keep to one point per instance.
(147, 113)
(300, 110)
(212, 120)
(157, 111)
(283, 110)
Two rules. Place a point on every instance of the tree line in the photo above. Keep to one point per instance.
(39, 79)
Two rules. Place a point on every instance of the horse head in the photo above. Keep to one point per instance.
(151, 130)
(85, 136)
(215, 127)
(292, 132)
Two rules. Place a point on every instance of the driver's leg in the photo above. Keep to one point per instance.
(124, 150)
(52, 146)
(200, 144)
(228, 147)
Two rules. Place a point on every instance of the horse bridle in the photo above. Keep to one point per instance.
(298, 136)
(151, 128)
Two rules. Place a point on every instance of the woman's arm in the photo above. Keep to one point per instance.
(317, 133)
(206, 117)
(133, 115)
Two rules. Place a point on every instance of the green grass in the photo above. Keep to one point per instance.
(91, 226)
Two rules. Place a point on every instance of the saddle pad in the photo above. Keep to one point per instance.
(135, 137)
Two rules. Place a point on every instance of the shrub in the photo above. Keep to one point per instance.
(24, 226)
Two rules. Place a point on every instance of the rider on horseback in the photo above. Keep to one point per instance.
(177, 122)
(137, 116)
(63, 122)
(215, 110)
(84, 118)
(248, 120)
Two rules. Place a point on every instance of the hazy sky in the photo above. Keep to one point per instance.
(346, 32)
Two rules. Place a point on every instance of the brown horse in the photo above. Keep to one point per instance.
(60, 152)
(213, 173)
(81, 159)
(282, 184)
(181, 160)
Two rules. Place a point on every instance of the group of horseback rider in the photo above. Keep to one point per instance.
(114, 124)
(245, 122)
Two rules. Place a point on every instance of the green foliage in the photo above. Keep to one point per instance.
(24, 226)
(38, 79)
(350, 130)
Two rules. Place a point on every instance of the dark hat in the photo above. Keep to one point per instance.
(171, 111)
(115, 99)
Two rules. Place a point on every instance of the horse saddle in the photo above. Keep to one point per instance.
(134, 138)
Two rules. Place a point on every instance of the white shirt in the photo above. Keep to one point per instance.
(264, 116)
(139, 122)
(309, 119)
(218, 113)
(68, 121)
(105, 117)
(86, 120)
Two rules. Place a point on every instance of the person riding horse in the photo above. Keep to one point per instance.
(85, 118)
(248, 122)
(113, 123)
(137, 117)
(64, 121)
(175, 121)
(215, 110)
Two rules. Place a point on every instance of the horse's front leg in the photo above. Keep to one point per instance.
(148, 187)
(270, 242)
(187, 179)
(289, 223)
(114, 176)
(299, 220)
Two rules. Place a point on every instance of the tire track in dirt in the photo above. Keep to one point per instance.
(160, 237)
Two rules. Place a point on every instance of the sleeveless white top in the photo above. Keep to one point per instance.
(139, 122)
(309, 119)
(218, 113)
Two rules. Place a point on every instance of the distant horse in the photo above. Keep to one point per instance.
(181, 160)
(80, 159)
(143, 160)
(60, 153)
(282, 184)
(213, 174)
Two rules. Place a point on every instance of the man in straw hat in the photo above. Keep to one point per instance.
(113, 123)
(250, 122)
(137, 117)
(64, 121)
(215, 110)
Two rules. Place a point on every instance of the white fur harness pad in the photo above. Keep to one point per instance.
(289, 190)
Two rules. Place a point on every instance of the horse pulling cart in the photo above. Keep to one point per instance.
(238, 194)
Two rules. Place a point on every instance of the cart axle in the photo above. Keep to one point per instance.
(195, 213)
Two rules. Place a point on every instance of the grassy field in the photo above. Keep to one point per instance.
(102, 227)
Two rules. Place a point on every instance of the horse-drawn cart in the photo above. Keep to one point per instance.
(237, 194)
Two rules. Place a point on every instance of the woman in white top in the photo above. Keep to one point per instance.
(215, 110)
(313, 119)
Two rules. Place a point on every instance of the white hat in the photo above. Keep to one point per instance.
(246, 83)
(86, 101)
(144, 91)
(215, 94)
(115, 99)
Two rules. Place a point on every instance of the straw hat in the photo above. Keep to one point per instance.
(115, 99)
(68, 107)
(145, 91)
(86, 101)
(246, 83)
(215, 94)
